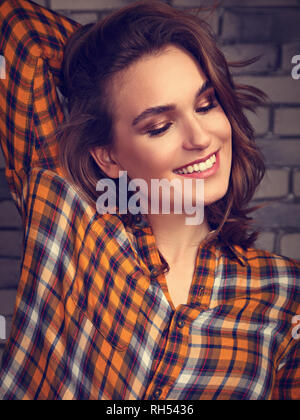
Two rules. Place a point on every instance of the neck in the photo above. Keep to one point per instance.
(174, 238)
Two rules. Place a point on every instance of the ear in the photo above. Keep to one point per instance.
(103, 156)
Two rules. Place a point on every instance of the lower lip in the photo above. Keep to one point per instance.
(207, 172)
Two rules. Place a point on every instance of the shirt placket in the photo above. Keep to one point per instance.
(177, 342)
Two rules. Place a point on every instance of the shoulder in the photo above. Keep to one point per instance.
(272, 278)
(51, 199)
(263, 259)
(270, 267)
(55, 192)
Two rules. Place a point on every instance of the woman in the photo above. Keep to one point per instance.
(151, 307)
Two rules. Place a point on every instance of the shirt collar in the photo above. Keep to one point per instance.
(138, 221)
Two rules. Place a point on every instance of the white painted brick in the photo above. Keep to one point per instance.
(212, 18)
(296, 183)
(290, 245)
(274, 25)
(258, 3)
(276, 215)
(1, 354)
(260, 120)
(280, 152)
(4, 190)
(246, 25)
(7, 301)
(288, 52)
(84, 18)
(287, 121)
(203, 9)
(9, 215)
(41, 2)
(9, 273)
(280, 89)
(10, 243)
(241, 52)
(265, 241)
(229, 3)
(8, 325)
(231, 27)
(88, 4)
(191, 3)
(2, 161)
(275, 184)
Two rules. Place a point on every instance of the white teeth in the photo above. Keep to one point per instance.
(202, 166)
(198, 167)
(209, 163)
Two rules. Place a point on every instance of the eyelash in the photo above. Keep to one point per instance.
(204, 109)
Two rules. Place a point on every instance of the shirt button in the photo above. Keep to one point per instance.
(180, 323)
(154, 272)
(157, 393)
(201, 291)
(138, 218)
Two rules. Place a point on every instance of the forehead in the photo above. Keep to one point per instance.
(169, 76)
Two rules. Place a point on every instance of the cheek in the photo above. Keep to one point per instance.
(141, 160)
(222, 128)
(228, 129)
(153, 157)
(224, 133)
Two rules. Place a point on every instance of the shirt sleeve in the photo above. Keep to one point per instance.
(287, 385)
(31, 47)
(58, 244)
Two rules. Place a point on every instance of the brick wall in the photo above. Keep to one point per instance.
(245, 29)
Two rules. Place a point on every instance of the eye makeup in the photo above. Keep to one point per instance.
(211, 103)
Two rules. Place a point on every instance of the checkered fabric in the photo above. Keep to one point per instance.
(93, 317)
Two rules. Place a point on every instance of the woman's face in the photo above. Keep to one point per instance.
(166, 117)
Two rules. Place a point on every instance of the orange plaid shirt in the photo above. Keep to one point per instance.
(93, 317)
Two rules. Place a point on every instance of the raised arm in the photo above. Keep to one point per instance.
(31, 44)
(36, 354)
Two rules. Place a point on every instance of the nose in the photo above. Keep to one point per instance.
(197, 134)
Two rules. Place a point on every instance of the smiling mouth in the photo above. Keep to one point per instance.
(197, 167)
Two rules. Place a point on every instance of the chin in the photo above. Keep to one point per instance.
(213, 198)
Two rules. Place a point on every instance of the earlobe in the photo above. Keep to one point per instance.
(104, 159)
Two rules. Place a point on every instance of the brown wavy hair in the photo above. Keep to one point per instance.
(97, 52)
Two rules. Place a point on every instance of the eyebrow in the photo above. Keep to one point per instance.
(164, 108)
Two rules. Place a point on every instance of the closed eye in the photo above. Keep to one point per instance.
(161, 130)
(212, 103)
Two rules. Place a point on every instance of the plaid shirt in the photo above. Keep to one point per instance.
(93, 317)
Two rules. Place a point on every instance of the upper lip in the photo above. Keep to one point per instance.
(196, 161)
